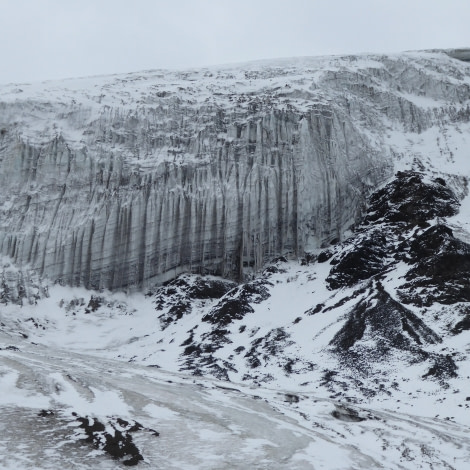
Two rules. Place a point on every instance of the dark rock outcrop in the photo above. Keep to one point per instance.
(114, 438)
(388, 324)
(177, 296)
(440, 269)
(236, 304)
(367, 257)
(412, 200)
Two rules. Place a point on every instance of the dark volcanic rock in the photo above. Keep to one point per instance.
(344, 413)
(94, 304)
(236, 304)
(411, 199)
(388, 324)
(271, 345)
(443, 368)
(118, 443)
(207, 288)
(435, 240)
(463, 324)
(198, 353)
(227, 311)
(178, 296)
(365, 259)
(441, 271)
(324, 256)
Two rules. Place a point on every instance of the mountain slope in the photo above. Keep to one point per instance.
(365, 345)
(344, 215)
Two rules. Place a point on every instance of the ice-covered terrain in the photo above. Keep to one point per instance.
(202, 424)
(335, 188)
(127, 180)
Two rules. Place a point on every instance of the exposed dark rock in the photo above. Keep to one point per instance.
(131, 427)
(120, 444)
(193, 287)
(227, 311)
(290, 398)
(324, 256)
(434, 240)
(198, 355)
(328, 376)
(271, 270)
(188, 340)
(441, 271)
(36, 323)
(206, 288)
(441, 263)
(312, 311)
(387, 322)
(347, 414)
(175, 312)
(364, 259)
(236, 304)
(308, 259)
(269, 346)
(94, 304)
(333, 381)
(443, 368)
(193, 350)
(177, 296)
(462, 325)
(411, 199)
(355, 295)
(275, 266)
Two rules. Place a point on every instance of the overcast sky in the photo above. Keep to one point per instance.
(48, 39)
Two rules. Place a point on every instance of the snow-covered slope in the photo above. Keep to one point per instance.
(132, 179)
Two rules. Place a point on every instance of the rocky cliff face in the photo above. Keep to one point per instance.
(123, 181)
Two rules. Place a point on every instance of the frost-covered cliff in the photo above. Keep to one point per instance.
(126, 180)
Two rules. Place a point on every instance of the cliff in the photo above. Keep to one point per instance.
(123, 181)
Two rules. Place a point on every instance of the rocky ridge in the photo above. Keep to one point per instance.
(388, 285)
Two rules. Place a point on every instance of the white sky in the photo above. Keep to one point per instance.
(47, 39)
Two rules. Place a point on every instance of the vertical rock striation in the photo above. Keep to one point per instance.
(135, 179)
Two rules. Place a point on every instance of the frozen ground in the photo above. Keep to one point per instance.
(203, 423)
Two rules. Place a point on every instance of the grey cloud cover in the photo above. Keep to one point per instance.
(47, 39)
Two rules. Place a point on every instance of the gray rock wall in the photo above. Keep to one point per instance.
(283, 184)
(168, 183)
